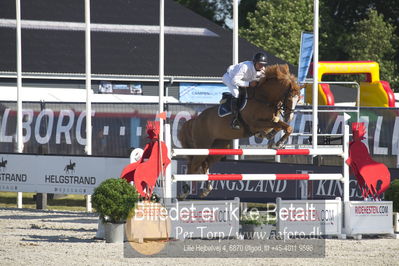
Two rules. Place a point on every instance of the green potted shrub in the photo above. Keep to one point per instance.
(256, 226)
(114, 200)
(392, 194)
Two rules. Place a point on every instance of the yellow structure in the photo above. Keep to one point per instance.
(373, 91)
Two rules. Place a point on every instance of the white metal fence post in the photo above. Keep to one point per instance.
(20, 144)
(345, 157)
(88, 147)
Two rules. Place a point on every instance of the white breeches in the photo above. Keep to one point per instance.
(233, 88)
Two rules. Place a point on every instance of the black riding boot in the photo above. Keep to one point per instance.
(234, 108)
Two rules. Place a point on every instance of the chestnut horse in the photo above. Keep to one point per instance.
(275, 92)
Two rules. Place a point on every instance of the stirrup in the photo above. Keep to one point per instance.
(235, 124)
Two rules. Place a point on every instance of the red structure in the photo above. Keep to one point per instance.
(144, 173)
(373, 177)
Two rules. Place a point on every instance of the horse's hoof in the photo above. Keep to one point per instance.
(270, 135)
(206, 190)
(259, 135)
(280, 145)
(182, 196)
(271, 145)
(186, 192)
(204, 194)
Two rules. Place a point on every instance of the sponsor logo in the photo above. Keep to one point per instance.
(70, 168)
(372, 210)
(3, 164)
(70, 179)
(10, 177)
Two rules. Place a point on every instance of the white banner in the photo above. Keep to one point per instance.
(201, 93)
(56, 174)
(205, 219)
(298, 218)
(369, 217)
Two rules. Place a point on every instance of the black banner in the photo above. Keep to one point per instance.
(59, 128)
(269, 190)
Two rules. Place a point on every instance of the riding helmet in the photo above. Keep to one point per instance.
(260, 58)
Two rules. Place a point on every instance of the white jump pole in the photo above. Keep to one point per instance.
(236, 142)
(315, 72)
(88, 147)
(20, 144)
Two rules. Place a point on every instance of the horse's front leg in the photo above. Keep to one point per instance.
(288, 116)
(265, 128)
(289, 108)
(287, 132)
(271, 134)
(262, 126)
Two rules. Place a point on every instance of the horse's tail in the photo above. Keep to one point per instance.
(185, 134)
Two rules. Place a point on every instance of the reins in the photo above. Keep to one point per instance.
(279, 105)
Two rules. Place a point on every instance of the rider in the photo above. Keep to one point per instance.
(242, 75)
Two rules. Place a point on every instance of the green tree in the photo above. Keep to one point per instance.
(347, 12)
(341, 19)
(216, 10)
(331, 32)
(374, 39)
(244, 8)
(276, 26)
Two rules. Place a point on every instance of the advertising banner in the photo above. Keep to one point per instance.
(205, 219)
(56, 174)
(59, 128)
(305, 56)
(369, 217)
(201, 93)
(297, 218)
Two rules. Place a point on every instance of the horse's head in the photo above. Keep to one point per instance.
(280, 86)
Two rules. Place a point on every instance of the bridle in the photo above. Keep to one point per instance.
(279, 106)
(288, 95)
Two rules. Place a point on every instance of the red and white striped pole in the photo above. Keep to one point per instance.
(330, 151)
(210, 177)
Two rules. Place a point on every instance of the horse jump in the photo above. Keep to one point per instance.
(342, 152)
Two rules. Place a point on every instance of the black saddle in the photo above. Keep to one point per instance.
(225, 103)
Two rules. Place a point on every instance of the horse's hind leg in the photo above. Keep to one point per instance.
(208, 184)
(197, 165)
(218, 144)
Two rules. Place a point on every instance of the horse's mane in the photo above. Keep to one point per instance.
(282, 73)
